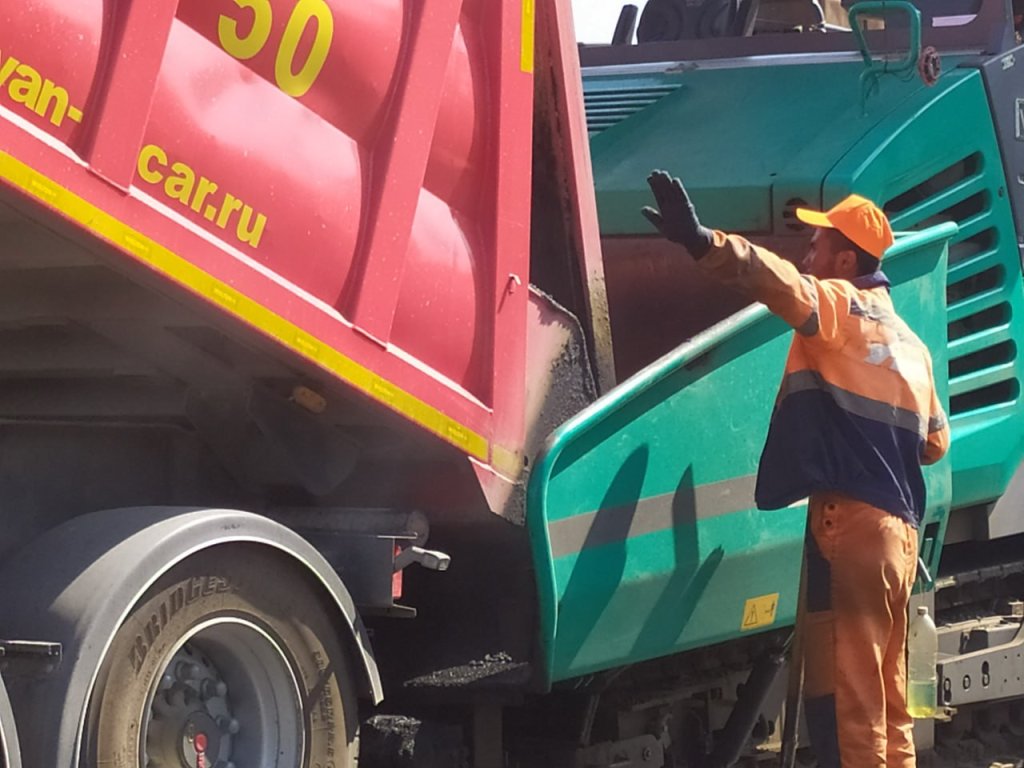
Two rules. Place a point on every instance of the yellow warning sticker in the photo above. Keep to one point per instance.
(526, 52)
(759, 611)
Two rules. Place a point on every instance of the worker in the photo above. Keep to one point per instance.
(855, 418)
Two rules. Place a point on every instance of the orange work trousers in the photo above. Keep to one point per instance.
(861, 564)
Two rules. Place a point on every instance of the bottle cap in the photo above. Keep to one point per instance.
(922, 610)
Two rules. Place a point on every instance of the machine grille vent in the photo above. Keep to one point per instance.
(608, 107)
(982, 355)
(789, 214)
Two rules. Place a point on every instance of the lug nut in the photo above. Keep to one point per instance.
(186, 670)
(228, 725)
(167, 681)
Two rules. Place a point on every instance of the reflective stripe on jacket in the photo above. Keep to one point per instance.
(857, 411)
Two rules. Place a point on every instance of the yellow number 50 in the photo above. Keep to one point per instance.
(245, 46)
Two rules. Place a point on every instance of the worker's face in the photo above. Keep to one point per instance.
(825, 262)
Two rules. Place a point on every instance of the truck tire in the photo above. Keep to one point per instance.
(228, 659)
(10, 751)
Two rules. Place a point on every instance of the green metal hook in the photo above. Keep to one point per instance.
(883, 6)
(875, 68)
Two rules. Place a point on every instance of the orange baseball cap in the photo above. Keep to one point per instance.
(856, 217)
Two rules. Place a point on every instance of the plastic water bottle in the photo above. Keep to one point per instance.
(922, 653)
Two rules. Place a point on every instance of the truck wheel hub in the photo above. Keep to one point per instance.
(223, 669)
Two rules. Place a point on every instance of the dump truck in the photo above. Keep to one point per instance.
(350, 415)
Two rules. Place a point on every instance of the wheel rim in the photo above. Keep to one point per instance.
(227, 697)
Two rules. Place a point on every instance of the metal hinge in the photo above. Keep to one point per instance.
(29, 657)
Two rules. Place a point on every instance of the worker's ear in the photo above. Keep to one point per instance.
(846, 264)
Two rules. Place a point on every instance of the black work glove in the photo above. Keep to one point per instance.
(675, 216)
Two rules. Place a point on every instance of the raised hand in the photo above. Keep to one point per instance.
(675, 216)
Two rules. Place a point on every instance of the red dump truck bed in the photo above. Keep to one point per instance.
(357, 192)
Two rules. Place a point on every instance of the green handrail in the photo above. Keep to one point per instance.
(875, 6)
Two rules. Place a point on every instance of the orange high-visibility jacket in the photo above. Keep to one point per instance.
(857, 411)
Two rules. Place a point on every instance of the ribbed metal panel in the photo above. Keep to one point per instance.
(606, 108)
